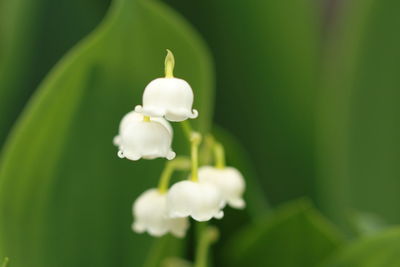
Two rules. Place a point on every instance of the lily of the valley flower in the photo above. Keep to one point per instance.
(228, 180)
(150, 215)
(168, 97)
(143, 137)
(171, 98)
(201, 201)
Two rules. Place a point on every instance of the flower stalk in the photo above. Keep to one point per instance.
(195, 141)
(207, 236)
(219, 154)
(179, 163)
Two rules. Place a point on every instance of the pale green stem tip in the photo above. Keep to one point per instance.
(169, 64)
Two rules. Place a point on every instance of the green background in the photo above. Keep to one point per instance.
(303, 94)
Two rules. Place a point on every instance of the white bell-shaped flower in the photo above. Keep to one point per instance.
(150, 215)
(201, 201)
(139, 138)
(228, 180)
(171, 98)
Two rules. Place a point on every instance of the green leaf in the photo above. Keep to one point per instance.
(34, 34)
(358, 127)
(367, 223)
(376, 251)
(65, 196)
(295, 236)
(267, 56)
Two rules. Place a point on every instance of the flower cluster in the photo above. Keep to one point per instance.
(146, 133)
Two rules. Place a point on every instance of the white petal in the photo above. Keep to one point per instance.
(229, 180)
(148, 140)
(132, 117)
(171, 98)
(149, 211)
(200, 201)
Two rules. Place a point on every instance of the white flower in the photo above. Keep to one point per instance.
(149, 211)
(144, 139)
(201, 201)
(168, 97)
(228, 180)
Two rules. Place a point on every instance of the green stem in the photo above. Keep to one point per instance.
(206, 236)
(179, 163)
(5, 262)
(169, 65)
(195, 141)
(219, 154)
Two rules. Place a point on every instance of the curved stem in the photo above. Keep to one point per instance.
(169, 64)
(179, 163)
(207, 236)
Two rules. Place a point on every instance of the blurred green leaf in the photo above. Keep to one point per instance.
(367, 223)
(34, 34)
(358, 129)
(377, 251)
(266, 55)
(65, 196)
(295, 236)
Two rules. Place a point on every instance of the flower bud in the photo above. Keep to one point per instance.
(144, 139)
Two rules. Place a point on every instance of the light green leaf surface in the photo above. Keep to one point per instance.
(296, 235)
(34, 34)
(382, 250)
(65, 196)
(358, 117)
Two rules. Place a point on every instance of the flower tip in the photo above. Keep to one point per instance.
(121, 154)
(138, 108)
(219, 215)
(138, 228)
(171, 155)
(194, 114)
(237, 204)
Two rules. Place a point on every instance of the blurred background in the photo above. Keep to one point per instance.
(304, 95)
